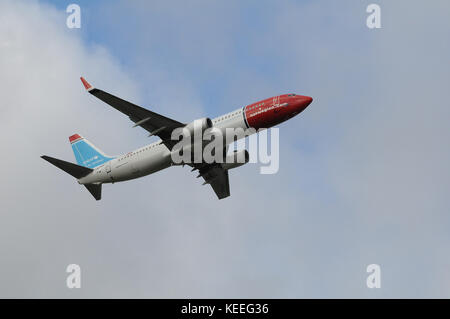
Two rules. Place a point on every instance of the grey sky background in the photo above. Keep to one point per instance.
(363, 177)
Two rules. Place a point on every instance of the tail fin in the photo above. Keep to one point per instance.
(86, 153)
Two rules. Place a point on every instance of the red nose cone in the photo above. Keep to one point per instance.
(303, 101)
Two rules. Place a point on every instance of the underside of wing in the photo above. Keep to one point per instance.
(217, 177)
(154, 123)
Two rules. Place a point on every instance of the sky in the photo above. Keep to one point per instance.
(363, 177)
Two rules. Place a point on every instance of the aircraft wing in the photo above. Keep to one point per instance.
(154, 123)
(217, 177)
(162, 126)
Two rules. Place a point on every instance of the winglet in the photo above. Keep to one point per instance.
(86, 84)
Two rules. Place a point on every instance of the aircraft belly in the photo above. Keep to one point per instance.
(153, 163)
(142, 164)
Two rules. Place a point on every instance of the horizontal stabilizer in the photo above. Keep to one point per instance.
(75, 170)
(95, 190)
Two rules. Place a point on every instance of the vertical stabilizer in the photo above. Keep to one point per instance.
(86, 153)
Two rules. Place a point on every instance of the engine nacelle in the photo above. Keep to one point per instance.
(236, 159)
(199, 125)
(190, 139)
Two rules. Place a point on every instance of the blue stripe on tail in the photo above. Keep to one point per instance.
(87, 154)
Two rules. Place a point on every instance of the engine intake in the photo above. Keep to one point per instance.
(190, 146)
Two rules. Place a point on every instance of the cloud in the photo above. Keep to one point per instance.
(43, 103)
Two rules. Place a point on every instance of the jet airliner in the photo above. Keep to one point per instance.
(95, 168)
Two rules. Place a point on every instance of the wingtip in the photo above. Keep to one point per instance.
(86, 84)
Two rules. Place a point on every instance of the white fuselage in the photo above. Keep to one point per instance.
(151, 158)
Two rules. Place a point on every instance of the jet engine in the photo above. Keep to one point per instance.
(200, 124)
(191, 140)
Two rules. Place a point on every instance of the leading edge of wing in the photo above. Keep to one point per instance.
(154, 123)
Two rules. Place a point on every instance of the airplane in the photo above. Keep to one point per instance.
(95, 168)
